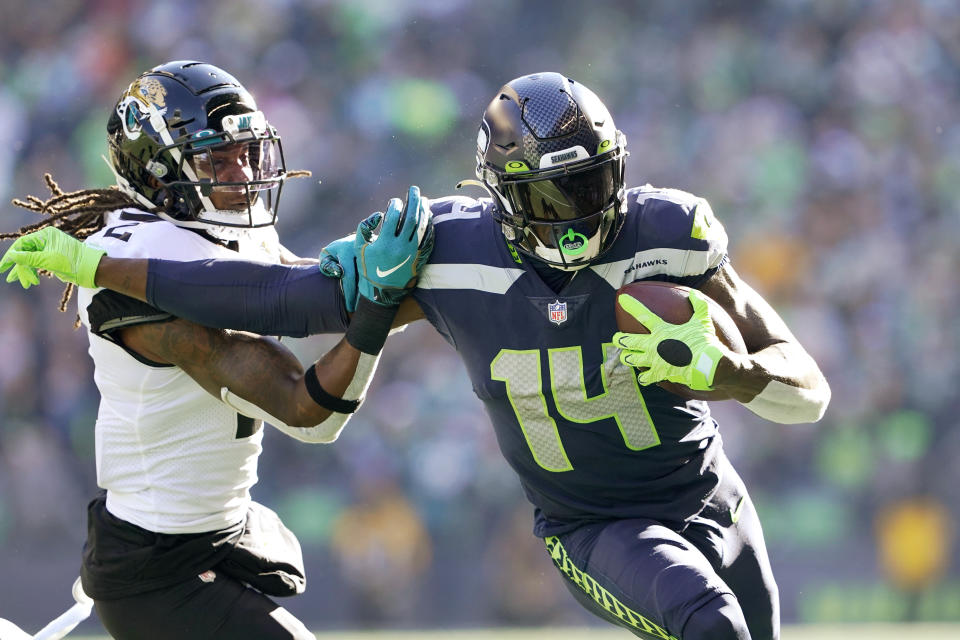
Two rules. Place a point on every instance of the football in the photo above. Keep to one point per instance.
(670, 302)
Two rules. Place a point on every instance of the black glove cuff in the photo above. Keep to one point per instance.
(324, 399)
(370, 325)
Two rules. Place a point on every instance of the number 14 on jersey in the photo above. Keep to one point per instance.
(620, 400)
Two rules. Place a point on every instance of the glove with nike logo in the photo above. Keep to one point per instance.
(391, 249)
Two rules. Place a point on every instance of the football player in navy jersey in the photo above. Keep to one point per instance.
(643, 515)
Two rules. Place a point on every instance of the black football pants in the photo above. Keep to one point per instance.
(222, 609)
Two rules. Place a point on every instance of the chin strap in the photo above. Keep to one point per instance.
(126, 188)
(160, 126)
(470, 182)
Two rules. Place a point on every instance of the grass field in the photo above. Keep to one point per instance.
(844, 632)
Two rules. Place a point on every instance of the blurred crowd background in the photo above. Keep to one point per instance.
(825, 134)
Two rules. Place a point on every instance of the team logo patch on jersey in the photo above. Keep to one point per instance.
(557, 312)
(208, 576)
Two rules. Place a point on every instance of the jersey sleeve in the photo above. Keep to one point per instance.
(131, 234)
(707, 228)
(267, 299)
(674, 235)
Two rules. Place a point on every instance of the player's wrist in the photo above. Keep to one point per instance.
(703, 366)
(87, 264)
(380, 295)
(325, 399)
(735, 375)
(370, 325)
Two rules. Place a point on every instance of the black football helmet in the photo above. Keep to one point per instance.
(187, 141)
(551, 157)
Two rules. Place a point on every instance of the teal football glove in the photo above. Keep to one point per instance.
(337, 260)
(392, 248)
(55, 251)
(686, 353)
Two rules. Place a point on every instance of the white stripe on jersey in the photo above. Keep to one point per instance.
(479, 277)
(655, 262)
(461, 208)
(457, 214)
(684, 198)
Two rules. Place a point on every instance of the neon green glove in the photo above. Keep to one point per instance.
(55, 251)
(686, 353)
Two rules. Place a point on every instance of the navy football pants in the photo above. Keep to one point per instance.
(711, 581)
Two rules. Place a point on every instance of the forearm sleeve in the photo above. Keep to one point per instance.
(787, 404)
(267, 299)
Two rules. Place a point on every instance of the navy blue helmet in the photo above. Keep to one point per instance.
(553, 160)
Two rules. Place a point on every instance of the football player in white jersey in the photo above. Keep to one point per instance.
(176, 548)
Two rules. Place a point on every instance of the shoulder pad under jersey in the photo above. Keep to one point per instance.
(672, 217)
(666, 232)
(130, 233)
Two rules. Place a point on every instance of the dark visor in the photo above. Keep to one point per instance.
(567, 196)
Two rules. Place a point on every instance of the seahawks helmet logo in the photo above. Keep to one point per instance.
(483, 137)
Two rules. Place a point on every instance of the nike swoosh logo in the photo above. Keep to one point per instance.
(735, 513)
(384, 274)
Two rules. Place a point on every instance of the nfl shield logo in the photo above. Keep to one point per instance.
(558, 311)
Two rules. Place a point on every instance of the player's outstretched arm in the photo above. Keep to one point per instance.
(778, 380)
(228, 294)
(232, 294)
(257, 376)
(74, 262)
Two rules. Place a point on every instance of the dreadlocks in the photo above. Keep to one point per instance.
(79, 213)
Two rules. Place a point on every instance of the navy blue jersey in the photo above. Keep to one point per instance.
(588, 442)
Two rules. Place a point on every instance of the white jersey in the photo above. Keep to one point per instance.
(173, 458)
